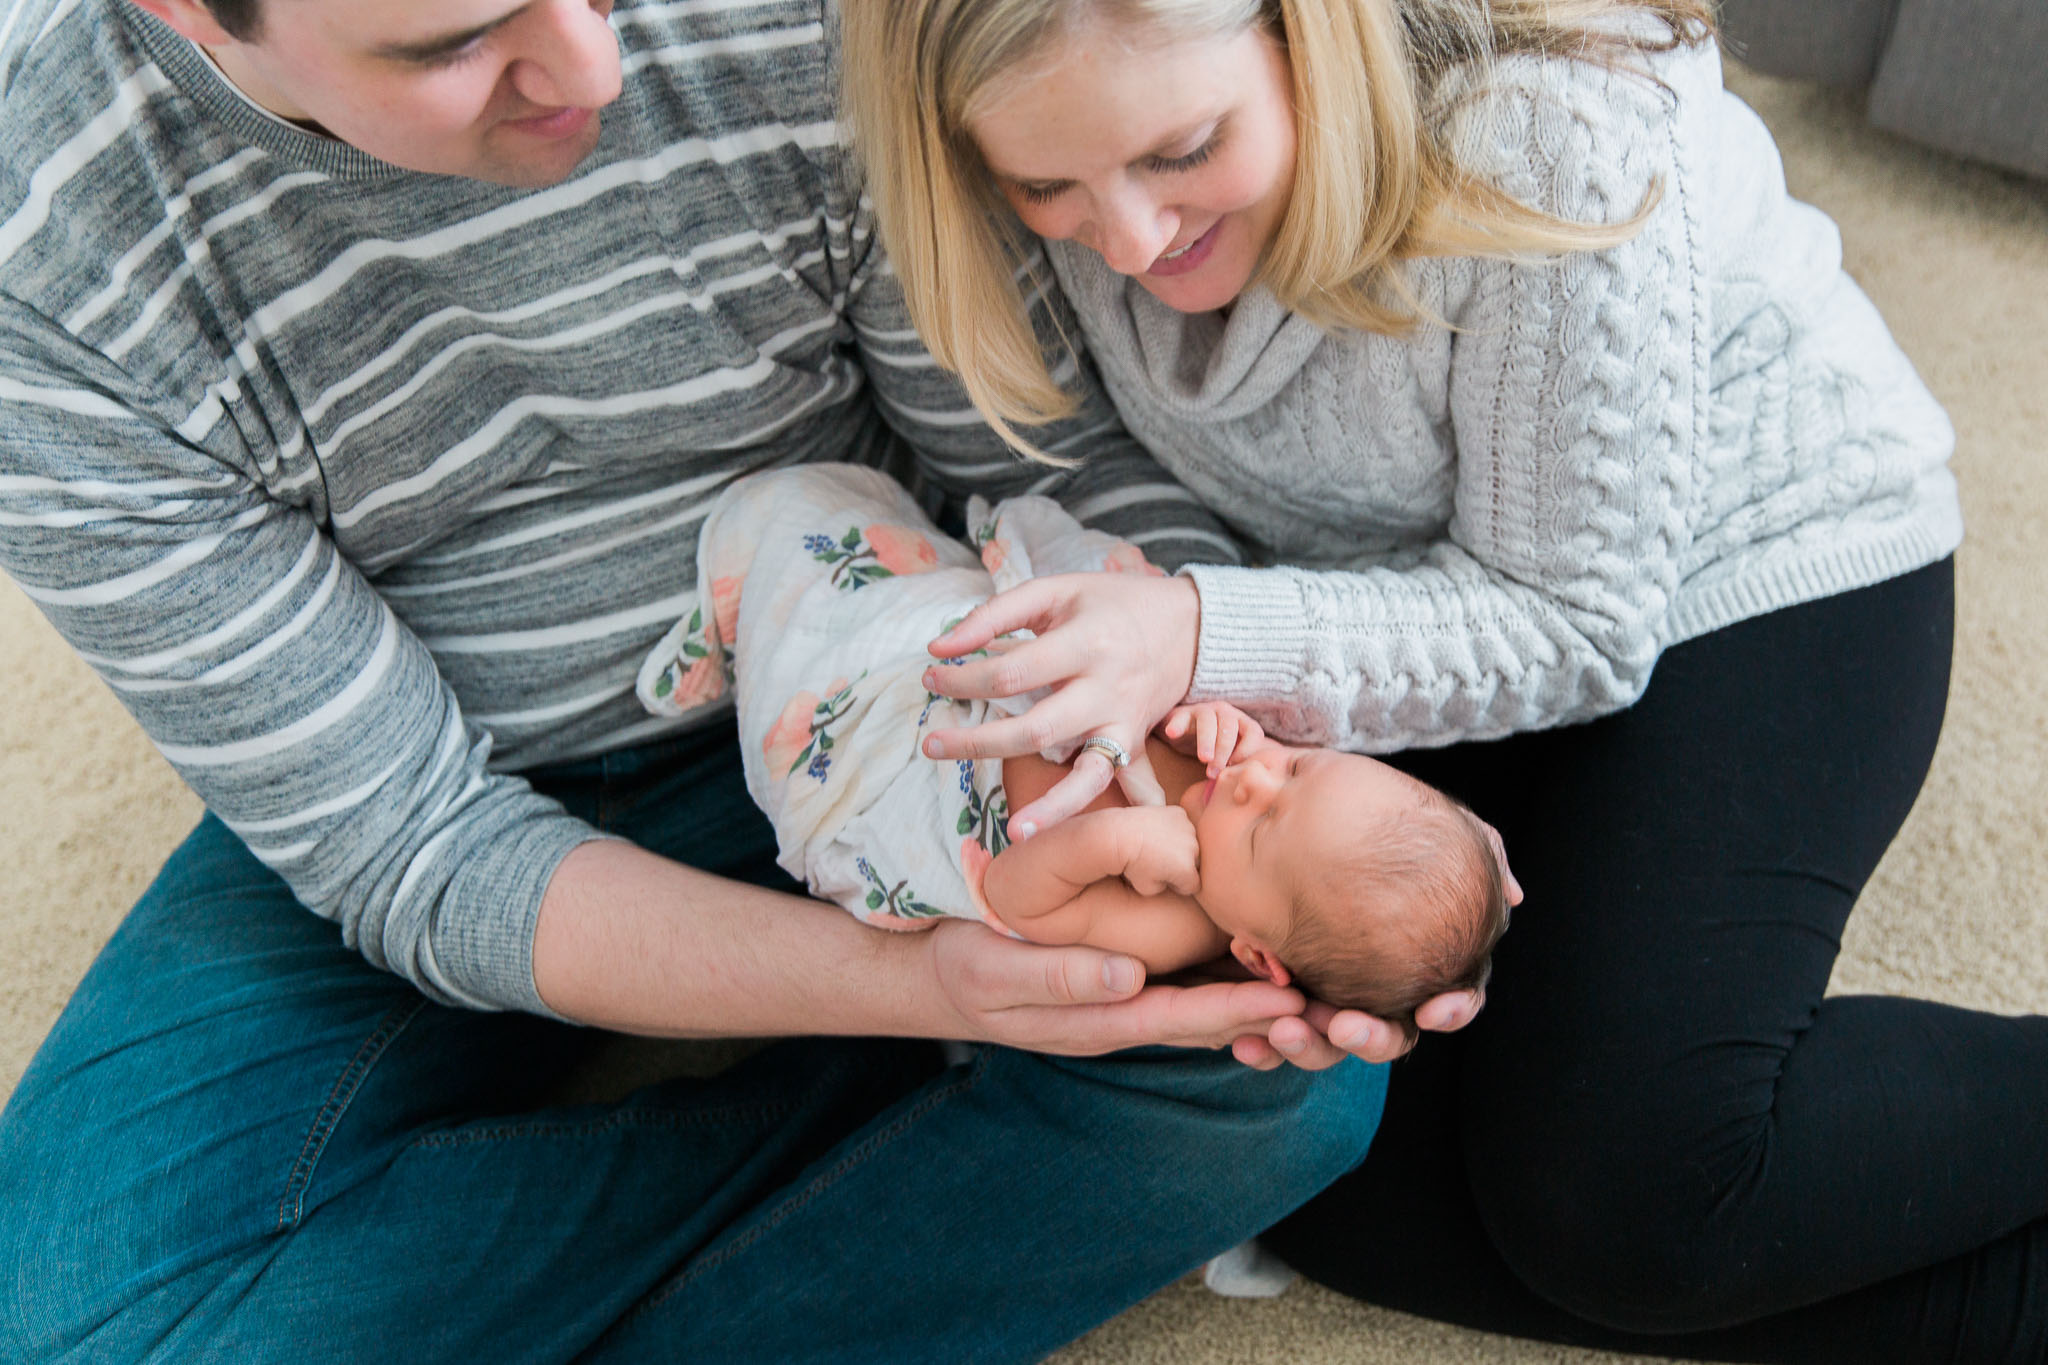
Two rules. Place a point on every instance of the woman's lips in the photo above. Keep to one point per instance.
(562, 123)
(1191, 256)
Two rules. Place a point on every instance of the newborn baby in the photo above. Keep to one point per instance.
(1333, 870)
(1370, 889)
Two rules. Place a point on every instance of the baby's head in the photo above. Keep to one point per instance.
(1374, 891)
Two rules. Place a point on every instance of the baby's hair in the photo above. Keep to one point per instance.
(1422, 887)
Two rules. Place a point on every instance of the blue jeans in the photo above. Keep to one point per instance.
(242, 1143)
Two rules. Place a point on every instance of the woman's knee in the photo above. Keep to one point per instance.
(1633, 1237)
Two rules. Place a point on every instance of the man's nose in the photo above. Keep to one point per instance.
(569, 56)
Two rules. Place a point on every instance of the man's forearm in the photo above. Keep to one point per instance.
(631, 941)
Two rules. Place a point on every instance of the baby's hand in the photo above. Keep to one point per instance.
(1159, 849)
(1213, 731)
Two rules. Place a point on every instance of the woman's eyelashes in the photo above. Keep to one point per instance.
(1045, 192)
(1168, 165)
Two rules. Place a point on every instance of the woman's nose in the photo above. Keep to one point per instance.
(570, 57)
(1133, 231)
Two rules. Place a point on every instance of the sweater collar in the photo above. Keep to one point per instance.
(1201, 365)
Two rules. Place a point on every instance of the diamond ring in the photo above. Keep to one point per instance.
(1118, 756)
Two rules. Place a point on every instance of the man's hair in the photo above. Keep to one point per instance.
(1411, 910)
(243, 19)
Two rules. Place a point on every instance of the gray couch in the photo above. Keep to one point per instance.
(1968, 76)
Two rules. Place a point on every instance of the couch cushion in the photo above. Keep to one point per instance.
(1837, 41)
(1968, 76)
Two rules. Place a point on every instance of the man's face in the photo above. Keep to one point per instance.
(501, 90)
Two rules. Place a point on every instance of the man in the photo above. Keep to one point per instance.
(368, 369)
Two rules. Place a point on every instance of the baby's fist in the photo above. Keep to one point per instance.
(1161, 852)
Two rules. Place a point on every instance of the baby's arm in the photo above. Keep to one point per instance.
(1120, 879)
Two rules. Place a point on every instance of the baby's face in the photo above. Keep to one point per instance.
(1274, 815)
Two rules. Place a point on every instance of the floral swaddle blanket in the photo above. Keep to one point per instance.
(820, 587)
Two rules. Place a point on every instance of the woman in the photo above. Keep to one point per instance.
(1489, 325)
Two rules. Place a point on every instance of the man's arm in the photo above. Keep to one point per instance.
(631, 941)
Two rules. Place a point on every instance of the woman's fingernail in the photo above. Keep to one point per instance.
(1293, 1046)
(1023, 829)
(933, 749)
(1119, 975)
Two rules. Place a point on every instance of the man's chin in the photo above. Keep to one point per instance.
(533, 167)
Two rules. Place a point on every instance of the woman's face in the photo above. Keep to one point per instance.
(1174, 159)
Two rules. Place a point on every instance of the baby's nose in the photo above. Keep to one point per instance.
(1254, 780)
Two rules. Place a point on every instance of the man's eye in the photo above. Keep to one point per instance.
(454, 56)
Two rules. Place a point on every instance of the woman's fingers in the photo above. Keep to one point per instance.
(1449, 1012)
(1139, 783)
(1510, 888)
(1007, 672)
(1088, 779)
(1059, 717)
(1029, 605)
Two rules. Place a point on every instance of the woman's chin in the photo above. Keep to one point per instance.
(1201, 291)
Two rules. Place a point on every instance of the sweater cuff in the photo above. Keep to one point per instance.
(487, 961)
(1254, 638)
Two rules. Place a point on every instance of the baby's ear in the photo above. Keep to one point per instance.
(1260, 962)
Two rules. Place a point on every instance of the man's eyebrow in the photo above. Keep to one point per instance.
(424, 49)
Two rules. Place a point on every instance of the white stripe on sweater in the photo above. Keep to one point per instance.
(105, 128)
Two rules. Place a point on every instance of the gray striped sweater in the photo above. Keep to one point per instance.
(365, 489)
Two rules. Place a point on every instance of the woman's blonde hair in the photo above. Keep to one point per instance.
(1374, 184)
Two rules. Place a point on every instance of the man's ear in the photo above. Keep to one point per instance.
(191, 18)
(1260, 962)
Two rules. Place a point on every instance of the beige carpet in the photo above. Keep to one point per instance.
(1957, 258)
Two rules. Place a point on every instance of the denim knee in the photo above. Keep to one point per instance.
(1264, 1141)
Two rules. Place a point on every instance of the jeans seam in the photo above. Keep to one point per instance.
(291, 1204)
(646, 1118)
(817, 1186)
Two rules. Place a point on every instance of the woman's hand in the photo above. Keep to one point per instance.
(1323, 1035)
(1118, 650)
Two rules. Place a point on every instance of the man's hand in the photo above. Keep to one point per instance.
(1081, 1001)
(1215, 732)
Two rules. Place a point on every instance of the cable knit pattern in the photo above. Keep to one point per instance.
(1500, 527)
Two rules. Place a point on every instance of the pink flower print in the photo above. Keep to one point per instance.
(995, 552)
(974, 864)
(790, 733)
(899, 549)
(725, 610)
(703, 683)
(1128, 558)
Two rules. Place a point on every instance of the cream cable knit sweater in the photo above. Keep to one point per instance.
(1499, 528)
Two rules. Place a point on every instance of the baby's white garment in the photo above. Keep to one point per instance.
(820, 588)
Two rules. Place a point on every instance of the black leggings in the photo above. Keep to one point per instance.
(1659, 1136)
